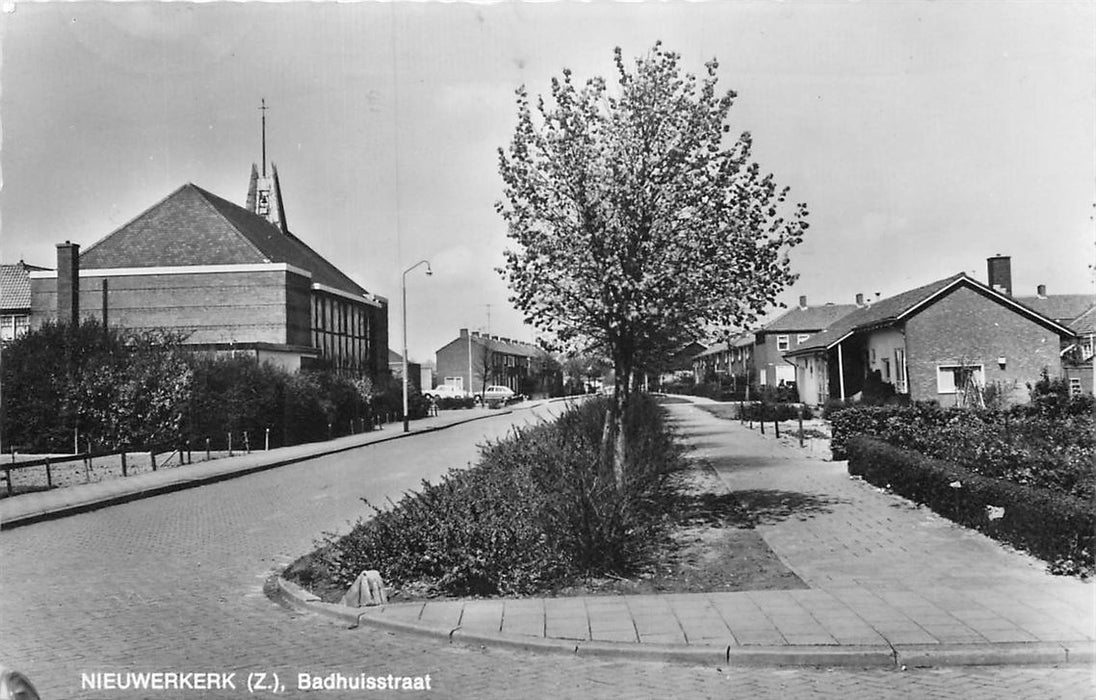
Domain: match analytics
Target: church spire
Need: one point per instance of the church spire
(264, 192)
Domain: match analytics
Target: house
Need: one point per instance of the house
(786, 333)
(936, 342)
(680, 364)
(1078, 311)
(475, 360)
(414, 371)
(15, 303)
(727, 361)
(229, 278)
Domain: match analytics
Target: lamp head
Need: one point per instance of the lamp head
(429, 272)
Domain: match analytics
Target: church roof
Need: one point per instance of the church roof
(194, 227)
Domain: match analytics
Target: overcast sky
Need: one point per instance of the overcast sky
(924, 137)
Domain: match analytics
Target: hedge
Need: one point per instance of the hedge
(1026, 447)
(1053, 526)
(539, 509)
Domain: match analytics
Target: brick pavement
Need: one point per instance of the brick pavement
(890, 583)
(175, 583)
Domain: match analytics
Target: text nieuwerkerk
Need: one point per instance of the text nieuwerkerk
(202, 680)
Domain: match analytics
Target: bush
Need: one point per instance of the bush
(1032, 450)
(774, 411)
(538, 509)
(447, 403)
(1053, 526)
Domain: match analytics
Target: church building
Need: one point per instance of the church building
(229, 278)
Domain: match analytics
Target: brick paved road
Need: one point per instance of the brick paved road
(174, 583)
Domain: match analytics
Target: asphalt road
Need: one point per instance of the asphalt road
(173, 585)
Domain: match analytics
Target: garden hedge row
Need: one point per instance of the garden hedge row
(1053, 526)
(1026, 447)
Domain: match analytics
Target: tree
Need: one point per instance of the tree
(636, 223)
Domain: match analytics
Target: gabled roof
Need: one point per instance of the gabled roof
(1063, 308)
(507, 346)
(900, 306)
(194, 227)
(1085, 324)
(809, 319)
(735, 341)
(15, 286)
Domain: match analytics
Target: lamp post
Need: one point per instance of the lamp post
(403, 289)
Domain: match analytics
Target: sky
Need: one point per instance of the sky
(924, 136)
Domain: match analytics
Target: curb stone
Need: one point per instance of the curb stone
(860, 656)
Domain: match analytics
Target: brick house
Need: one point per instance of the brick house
(786, 333)
(729, 360)
(474, 360)
(934, 342)
(230, 278)
(1078, 311)
(15, 299)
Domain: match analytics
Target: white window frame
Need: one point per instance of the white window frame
(945, 377)
(901, 378)
(801, 337)
(1075, 386)
(785, 341)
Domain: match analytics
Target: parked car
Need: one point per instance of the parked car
(446, 391)
(496, 394)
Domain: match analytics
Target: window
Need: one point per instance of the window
(873, 356)
(886, 369)
(901, 384)
(782, 343)
(1075, 386)
(801, 338)
(952, 379)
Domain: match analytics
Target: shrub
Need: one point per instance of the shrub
(1053, 526)
(447, 403)
(1032, 450)
(774, 411)
(539, 508)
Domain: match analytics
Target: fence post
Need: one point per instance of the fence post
(800, 412)
(247, 442)
(49, 474)
(230, 444)
(761, 417)
(208, 456)
(776, 423)
(329, 431)
(7, 474)
(266, 446)
(75, 441)
(152, 458)
(124, 472)
(87, 464)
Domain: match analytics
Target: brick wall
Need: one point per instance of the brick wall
(968, 327)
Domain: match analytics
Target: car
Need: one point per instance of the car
(446, 391)
(496, 394)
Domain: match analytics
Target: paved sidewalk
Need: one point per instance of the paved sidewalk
(890, 584)
(28, 508)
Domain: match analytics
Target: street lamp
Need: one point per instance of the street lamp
(403, 288)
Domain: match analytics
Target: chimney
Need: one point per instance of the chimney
(859, 299)
(463, 333)
(1041, 290)
(803, 302)
(68, 283)
(1000, 273)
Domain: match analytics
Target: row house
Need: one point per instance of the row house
(936, 342)
(475, 360)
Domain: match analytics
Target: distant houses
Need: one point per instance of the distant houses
(935, 342)
(475, 360)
